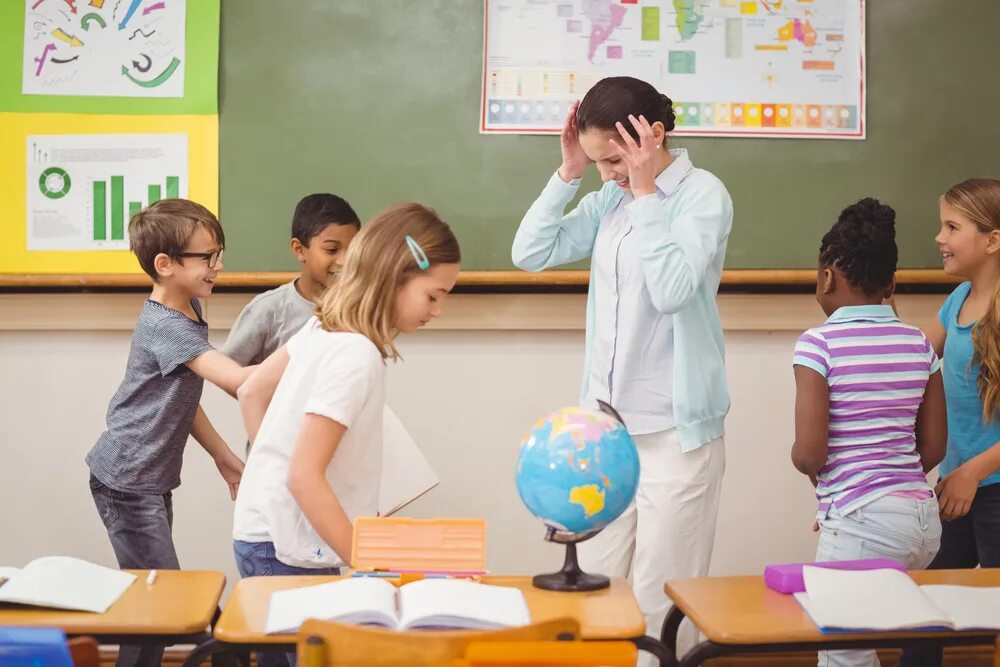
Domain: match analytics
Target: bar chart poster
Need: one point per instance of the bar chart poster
(82, 189)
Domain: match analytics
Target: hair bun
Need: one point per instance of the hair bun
(668, 112)
(874, 221)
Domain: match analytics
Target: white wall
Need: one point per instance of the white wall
(467, 397)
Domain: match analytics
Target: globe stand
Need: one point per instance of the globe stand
(570, 578)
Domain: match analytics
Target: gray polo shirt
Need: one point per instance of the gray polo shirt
(266, 323)
(150, 416)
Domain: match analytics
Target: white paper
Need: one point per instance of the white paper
(429, 603)
(791, 68)
(122, 48)
(361, 600)
(60, 582)
(969, 607)
(406, 473)
(81, 189)
(867, 600)
(453, 603)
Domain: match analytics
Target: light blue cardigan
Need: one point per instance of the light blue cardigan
(683, 239)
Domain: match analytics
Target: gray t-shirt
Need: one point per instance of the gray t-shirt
(266, 323)
(150, 416)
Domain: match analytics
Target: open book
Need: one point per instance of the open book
(425, 604)
(842, 601)
(406, 474)
(60, 582)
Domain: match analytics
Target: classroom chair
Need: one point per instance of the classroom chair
(84, 652)
(549, 654)
(329, 644)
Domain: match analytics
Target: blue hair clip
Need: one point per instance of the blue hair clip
(418, 253)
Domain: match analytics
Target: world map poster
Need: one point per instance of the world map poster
(758, 68)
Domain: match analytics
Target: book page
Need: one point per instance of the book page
(867, 600)
(358, 600)
(8, 572)
(61, 582)
(406, 473)
(454, 603)
(970, 607)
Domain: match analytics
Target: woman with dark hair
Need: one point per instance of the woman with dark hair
(656, 233)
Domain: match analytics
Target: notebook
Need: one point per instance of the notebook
(875, 600)
(60, 582)
(406, 474)
(421, 605)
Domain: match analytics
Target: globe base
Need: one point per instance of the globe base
(571, 578)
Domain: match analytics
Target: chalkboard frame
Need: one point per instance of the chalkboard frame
(488, 280)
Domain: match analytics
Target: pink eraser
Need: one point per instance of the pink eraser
(788, 578)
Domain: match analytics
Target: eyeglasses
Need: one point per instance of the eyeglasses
(211, 257)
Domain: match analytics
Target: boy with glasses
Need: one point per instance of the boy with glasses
(136, 463)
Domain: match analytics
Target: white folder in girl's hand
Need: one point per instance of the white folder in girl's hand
(406, 473)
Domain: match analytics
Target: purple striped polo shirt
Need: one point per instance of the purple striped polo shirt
(877, 369)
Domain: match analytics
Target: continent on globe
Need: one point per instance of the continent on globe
(605, 16)
(590, 497)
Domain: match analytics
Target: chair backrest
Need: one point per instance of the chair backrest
(328, 644)
(549, 654)
(84, 651)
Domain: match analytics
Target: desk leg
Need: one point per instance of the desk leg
(207, 649)
(231, 659)
(219, 659)
(671, 624)
(702, 652)
(650, 645)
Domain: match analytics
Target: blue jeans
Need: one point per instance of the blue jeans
(906, 530)
(257, 559)
(140, 528)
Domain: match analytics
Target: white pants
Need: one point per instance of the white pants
(669, 529)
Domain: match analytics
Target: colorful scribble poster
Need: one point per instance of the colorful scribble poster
(117, 48)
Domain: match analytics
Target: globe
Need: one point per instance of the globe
(577, 470)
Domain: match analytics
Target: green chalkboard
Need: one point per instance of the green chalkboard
(378, 100)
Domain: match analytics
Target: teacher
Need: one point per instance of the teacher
(656, 235)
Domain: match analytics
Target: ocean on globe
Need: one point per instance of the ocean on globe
(577, 470)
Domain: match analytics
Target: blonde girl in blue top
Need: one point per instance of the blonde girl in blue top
(967, 338)
(656, 234)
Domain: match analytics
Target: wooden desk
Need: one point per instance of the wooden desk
(609, 614)
(742, 615)
(176, 609)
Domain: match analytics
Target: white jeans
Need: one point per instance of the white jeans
(669, 529)
(908, 531)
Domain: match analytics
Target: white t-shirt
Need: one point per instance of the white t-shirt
(336, 375)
